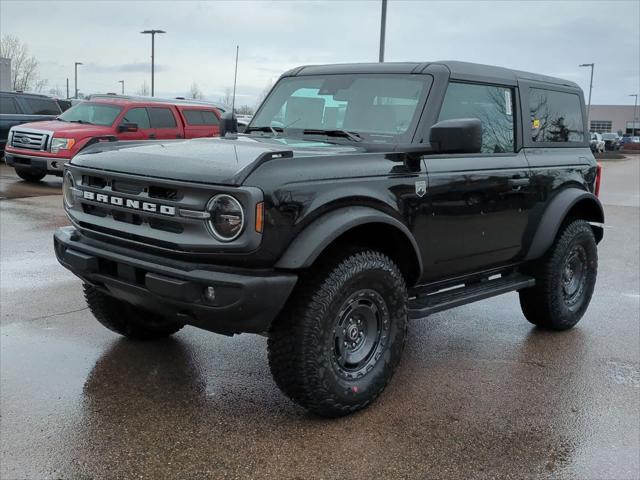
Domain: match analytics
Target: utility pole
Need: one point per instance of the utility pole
(76, 79)
(68, 88)
(235, 77)
(153, 43)
(122, 82)
(383, 28)
(635, 115)
(590, 88)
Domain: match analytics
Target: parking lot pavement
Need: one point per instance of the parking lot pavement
(11, 186)
(479, 393)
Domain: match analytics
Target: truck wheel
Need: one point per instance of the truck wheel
(30, 176)
(127, 320)
(565, 279)
(336, 345)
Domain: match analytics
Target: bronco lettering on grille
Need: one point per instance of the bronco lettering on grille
(129, 203)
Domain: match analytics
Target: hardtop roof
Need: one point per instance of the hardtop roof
(458, 70)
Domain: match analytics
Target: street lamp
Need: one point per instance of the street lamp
(590, 88)
(122, 82)
(635, 114)
(76, 77)
(153, 37)
(383, 29)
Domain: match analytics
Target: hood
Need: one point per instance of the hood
(203, 160)
(74, 130)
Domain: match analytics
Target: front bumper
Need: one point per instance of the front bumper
(36, 164)
(245, 301)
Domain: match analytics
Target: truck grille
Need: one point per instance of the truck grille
(29, 140)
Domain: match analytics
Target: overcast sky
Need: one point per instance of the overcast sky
(544, 37)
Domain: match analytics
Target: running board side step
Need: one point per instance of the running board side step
(427, 304)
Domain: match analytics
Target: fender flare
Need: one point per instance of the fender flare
(318, 235)
(555, 214)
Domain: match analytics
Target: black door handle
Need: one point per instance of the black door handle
(152, 135)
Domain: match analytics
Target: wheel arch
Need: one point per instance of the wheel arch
(570, 204)
(361, 225)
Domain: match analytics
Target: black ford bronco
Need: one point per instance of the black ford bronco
(360, 196)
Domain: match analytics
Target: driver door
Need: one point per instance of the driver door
(140, 117)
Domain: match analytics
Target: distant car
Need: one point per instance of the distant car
(39, 149)
(596, 143)
(635, 139)
(611, 141)
(17, 108)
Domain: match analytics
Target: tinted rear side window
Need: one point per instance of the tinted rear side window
(161, 118)
(493, 106)
(555, 116)
(42, 106)
(200, 117)
(8, 105)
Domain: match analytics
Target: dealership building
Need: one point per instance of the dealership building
(614, 118)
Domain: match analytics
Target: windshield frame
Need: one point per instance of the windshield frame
(368, 138)
(102, 104)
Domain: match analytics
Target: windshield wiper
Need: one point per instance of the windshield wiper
(79, 121)
(353, 136)
(266, 128)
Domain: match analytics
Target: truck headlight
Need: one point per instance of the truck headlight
(68, 187)
(58, 144)
(227, 217)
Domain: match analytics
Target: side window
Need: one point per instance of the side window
(138, 116)
(193, 117)
(209, 118)
(555, 116)
(493, 106)
(8, 105)
(161, 117)
(42, 106)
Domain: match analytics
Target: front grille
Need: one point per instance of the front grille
(29, 140)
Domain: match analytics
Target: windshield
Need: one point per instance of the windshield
(376, 107)
(93, 113)
(609, 136)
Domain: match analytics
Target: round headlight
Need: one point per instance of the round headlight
(227, 217)
(68, 186)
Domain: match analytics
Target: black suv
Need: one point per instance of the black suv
(360, 196)
(17, 108)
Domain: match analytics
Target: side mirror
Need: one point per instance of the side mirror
(228, 124)
(459, 135)
(128, 127)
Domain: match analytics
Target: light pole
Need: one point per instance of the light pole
(76, 78)
(590, 88)
(383, 29)
(635, 114)
(122, 82)
(153, 41)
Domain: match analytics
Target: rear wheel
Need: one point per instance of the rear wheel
(335, 348)
(565, 279)
(29, 176)
(127, 320)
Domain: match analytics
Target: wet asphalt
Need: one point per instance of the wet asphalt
(480, 393)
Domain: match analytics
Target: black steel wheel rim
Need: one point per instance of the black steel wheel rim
(360, 333)
(574, 275)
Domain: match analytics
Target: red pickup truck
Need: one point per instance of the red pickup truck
(41, 148)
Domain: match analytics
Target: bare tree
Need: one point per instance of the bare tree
(56, 91)
(143, 90)
(227, 98)
(24, 67)
(263, 94)
(195, 92)
(245, 110)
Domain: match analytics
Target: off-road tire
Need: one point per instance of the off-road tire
(127, 320)
(304, 340)
(549, 304)
(29, 176)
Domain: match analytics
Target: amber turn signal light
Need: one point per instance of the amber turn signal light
(259, 216)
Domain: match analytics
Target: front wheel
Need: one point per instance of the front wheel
(565, 279)
(30, 176)
(335, 348)
(127, 320)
